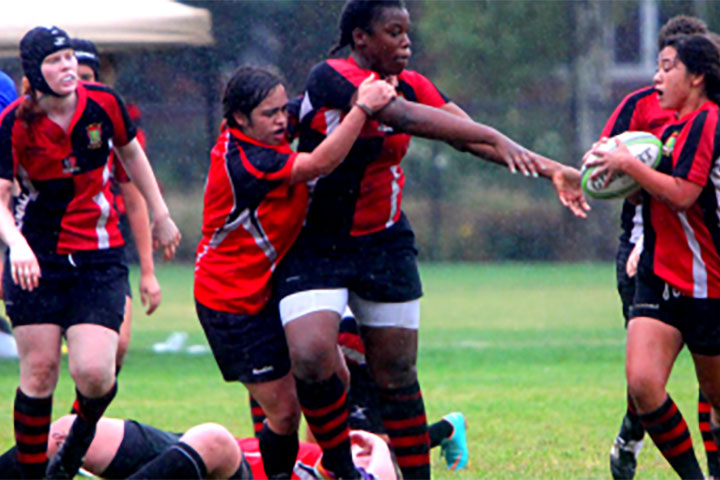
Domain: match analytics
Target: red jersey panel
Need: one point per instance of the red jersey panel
(683, 248)
(364, 194)
(251, 217)
(308, 455)
(65, 203)
(638, 111)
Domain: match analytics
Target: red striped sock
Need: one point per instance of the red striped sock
(324, 405)
(403, 414)
(711, 449)
(258, 416)
(667, 427)
(32, 427)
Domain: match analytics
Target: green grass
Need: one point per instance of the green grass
(531, 354)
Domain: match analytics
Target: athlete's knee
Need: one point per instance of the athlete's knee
(39, 376)
(394, 372)
(313, 360)
(645, 387)
(216, 446)
(285, 419)
(93, 379)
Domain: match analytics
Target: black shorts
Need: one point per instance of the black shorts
(140, 444)
(379, 267)
(625, 284)
(697, 319)
(247, 348)
(85, 287)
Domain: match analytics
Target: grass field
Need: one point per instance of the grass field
(531, 354)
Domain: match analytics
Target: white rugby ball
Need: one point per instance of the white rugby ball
(644, 146)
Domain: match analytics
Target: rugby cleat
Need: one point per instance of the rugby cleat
(623, 458)
(454, 448)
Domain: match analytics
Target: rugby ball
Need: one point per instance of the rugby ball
(644, 146)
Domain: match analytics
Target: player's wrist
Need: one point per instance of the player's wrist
(367, 110)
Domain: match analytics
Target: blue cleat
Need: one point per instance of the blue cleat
(454, 448)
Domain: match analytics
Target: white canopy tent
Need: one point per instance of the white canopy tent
(111, 24)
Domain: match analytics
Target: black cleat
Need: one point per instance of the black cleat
(623, 458)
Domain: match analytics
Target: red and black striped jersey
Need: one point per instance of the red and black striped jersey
(364, 194)
(65, 203)
(251, 217)
(639, 111)
(683, 248)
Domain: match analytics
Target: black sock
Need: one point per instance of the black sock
(278, 452)
(258, 416)
(32, 418)
(439, 431)
(179, 461)
(631, 428)
(667, 427)
(706, 431)
(324, 405)
(403, 414)
(71, 454)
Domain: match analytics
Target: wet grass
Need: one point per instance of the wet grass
(532, 354)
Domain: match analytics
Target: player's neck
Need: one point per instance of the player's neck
(693, 102)
(60, 109)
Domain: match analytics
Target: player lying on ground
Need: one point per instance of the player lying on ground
(130, 449)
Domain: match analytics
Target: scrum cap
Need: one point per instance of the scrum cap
(37, 44)
(86, 54)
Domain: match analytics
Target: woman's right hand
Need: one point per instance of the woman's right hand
(24, 267)
(374, 93)
(517, 157)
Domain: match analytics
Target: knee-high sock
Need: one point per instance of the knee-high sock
(324, 405)
(278, 452)
(32, 427)
(179, 461)
(403, 414)
(711, 448)
(667, 427)
(439, 431)
(631, 427)
(69, 458)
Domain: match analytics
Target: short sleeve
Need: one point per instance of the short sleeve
(418, 88)
(695, 147)
(7, 163)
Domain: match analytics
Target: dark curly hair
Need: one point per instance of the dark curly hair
(245, 90)
(681, 24)
(360, 14)
(700, 55)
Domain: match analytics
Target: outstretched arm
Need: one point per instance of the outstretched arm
(460, 133)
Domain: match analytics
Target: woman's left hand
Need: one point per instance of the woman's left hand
(165, 234)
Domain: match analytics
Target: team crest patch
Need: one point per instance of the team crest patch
(94, 133)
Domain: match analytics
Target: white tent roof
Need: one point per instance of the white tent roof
(111, 24)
